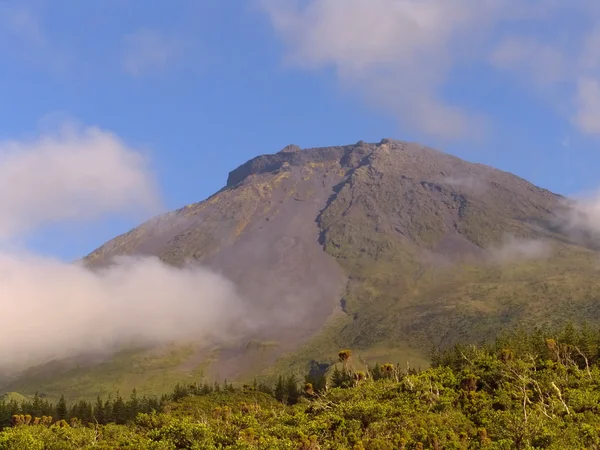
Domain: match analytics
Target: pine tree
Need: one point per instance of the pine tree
(36, 406)
(84, 412)
(98, 411)
(340, 378)
(377, 373)
(133, 405)
(108, 412)
(265, 388)
(179, 392)
(228, 387)
(280, 390)
(291, 390)
(587, 344)
(568, 336)
(318, 381)
(61, 409)
(119, 410)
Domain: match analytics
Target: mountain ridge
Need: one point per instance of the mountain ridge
(372, 199)
(374, 247)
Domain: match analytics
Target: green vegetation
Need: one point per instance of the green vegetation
(151, 372)
(527, 390)
(413, 232)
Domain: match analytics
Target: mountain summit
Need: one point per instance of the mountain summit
(403, 242)
(387, 248)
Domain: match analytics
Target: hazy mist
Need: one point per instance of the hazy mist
(52, 308)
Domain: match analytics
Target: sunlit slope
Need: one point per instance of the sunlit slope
(365, 246)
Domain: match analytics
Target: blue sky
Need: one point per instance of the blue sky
(202, 86)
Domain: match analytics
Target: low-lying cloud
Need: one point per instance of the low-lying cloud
(581, 218)
(513, 249)
(470, 182)
(53, 309)
(578, 220)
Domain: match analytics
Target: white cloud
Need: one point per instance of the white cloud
(545, 62)
(52, 310)
(517, 249)
(401, 54)
(147, 50)
(72, 175)
(583, 215)
(564, 59)
(24, 38)
(587, 117)
(397, 52)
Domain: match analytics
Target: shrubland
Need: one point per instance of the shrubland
(526, 390)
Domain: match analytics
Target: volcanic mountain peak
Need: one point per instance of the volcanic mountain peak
(401, 188)
(373, 245)
(415, 160)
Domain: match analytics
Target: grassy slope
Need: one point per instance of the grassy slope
(392, 326)
(460, 303)
(522, 392)
(396, 307)
(148, 371)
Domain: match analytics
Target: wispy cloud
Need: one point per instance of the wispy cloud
(545, 63)
(581, 216)
(587, 102)
(513, 249)
(73, 174)
(23, 23)
(148, 50)
(397, 52)
(402, 54)
(48, 306)
(23, 38)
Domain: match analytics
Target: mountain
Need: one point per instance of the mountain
(387, 248)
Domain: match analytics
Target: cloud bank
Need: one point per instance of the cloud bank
(402, 55)
(54, 309)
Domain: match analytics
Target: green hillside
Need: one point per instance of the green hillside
(527, 390)
(389, 249)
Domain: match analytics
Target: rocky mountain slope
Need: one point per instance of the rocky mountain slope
(374, 247)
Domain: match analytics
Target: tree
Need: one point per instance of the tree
(316, 377)
(98, 411)
(291, 390)
(179, 392)
(280, 390)
(119, 410)
(61, 409)
(133, 406)
(377, 373)
(36, 406)
(340, 379)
